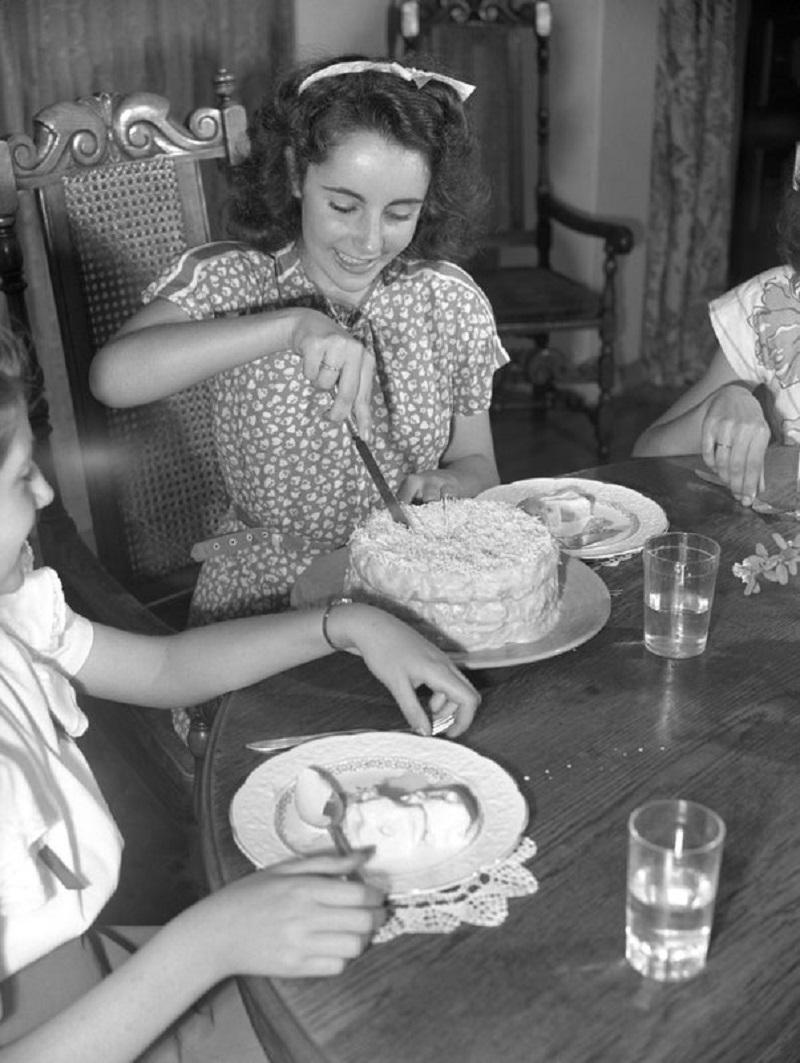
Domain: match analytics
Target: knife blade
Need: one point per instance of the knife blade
(389, 498)
(268, 745)
(439, 725)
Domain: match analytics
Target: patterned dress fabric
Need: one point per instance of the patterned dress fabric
(758, 328)
(296, 483)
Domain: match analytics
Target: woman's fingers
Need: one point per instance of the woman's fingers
(734, 439)
(740, 463)
(362, 407)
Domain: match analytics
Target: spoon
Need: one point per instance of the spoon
(321, 802)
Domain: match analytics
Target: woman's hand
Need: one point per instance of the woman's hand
(466, 468)
(301, 919)
(429, 486)
(404, 660)
(735, 436)
(335, 361)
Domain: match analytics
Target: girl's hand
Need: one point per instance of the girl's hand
(404, 660)
(335, 361)
(429, 486)
(301, 919)
(735, 437)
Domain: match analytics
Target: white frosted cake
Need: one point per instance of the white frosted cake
(417, 828)
(471, 574)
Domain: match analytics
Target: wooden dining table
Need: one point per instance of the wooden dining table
(587, 735)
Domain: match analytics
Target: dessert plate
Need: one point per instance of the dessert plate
(585, 608)
(622, 519)
(268, 829)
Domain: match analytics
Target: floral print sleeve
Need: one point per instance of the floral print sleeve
(479, 352)
(215, 279)
(758, 328)
(453, 328)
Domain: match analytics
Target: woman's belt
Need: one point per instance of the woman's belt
(254, 534)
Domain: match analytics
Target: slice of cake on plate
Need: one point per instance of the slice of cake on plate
(566, 512)
(410, 829)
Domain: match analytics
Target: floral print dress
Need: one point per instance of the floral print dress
(757, 325)
(296, 484)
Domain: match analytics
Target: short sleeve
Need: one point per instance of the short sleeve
(757, 325)
(38, 615)
(215, 279)
(465, 323)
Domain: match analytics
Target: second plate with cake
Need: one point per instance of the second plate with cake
(598, 520)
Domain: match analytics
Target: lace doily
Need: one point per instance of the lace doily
(481, 900)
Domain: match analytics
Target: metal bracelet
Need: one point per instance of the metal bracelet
(328, 610)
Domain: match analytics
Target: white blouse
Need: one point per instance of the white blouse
(60, 849)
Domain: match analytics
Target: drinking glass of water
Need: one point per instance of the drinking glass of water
(680, 573)
(674, 856)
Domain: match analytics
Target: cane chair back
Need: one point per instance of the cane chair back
(503, 47)
(120, 191)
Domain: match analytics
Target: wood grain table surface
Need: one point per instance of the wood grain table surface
(587, 736)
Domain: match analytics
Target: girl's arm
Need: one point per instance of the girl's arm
(161, 350)
(720, 418)
(300, 919)
(467, 467)
(198, 664)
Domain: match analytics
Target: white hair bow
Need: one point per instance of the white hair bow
(407, 73)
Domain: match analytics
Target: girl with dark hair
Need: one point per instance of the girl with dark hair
(341, 296)
(750, 393)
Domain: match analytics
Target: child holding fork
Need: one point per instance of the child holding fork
(60, 849)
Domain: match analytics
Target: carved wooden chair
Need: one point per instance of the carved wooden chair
(498, 45)
(120, 190)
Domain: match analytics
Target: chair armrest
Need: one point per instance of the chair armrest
(618, 236)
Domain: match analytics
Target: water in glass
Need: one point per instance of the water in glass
(676, 622)
(668, 922)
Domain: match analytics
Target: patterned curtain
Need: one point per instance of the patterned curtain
(691, 190)
(53, 50)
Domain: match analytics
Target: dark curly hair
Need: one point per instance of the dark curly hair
(430, 120)
(13, 387)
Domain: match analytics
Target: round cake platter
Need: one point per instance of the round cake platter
(584, 610)
(268, 829)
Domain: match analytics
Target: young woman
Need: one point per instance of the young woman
(59, 847)
(360, 190)
(750, 393)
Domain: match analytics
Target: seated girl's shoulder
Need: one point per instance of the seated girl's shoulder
(437, 274)
(199, 271)
(232, 251)
(756, 290)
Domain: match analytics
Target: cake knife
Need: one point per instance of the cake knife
(439, 724)
(390, 500)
